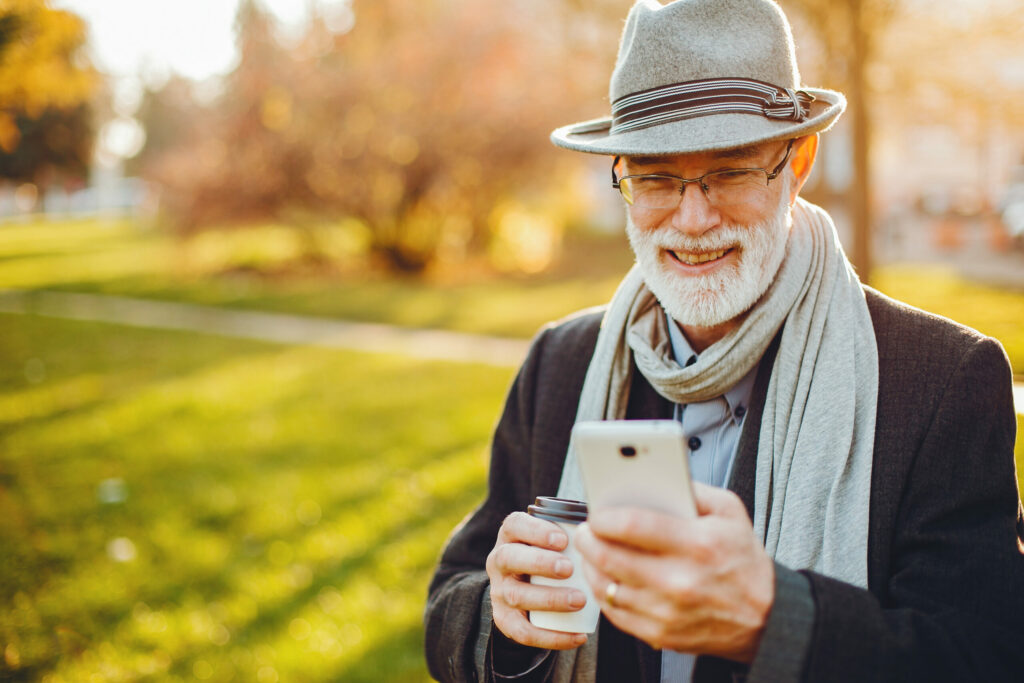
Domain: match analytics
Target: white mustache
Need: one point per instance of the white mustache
(723, 238)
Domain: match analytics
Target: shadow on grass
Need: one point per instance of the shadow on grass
(397, 658)
(275, 617)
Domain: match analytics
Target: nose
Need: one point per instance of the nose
(695, 215)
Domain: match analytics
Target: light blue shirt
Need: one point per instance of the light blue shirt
(713, 431)
(712, 427)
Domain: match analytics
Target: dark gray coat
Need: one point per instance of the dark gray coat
(945, 598)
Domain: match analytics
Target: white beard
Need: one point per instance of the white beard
(728, 292)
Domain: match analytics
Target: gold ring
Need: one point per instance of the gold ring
(610, 591)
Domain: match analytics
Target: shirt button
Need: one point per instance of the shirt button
(694, 443)
(740, 411)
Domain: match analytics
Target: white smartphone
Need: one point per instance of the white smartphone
(642, 463)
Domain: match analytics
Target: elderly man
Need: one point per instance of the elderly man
(858, 516)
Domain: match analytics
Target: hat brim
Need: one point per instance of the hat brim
(703, 134)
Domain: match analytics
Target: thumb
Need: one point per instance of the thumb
(719, 502)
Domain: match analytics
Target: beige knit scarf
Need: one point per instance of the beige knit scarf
(813, 474)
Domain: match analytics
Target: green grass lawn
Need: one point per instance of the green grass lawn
(181, 507)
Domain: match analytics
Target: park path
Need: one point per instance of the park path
(284, 328)
(270, 327)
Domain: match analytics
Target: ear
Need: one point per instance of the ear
(804, 152)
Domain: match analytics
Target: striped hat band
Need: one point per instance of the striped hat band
(706, 97)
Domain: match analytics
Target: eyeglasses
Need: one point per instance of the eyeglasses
(722, 188)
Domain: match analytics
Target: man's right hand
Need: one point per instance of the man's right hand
(530, 546)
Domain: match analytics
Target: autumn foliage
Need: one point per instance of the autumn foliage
(417, 121)
(45, 91)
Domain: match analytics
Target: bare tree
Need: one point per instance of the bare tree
(849, 32)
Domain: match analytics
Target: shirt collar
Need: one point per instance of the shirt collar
(738, 397)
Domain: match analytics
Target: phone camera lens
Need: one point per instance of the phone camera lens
(627, 451)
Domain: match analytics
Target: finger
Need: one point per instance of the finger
(659, 532)
(515, 625)
(520, 527)
(639, 625)
(712, 500)
(601, 584)
(624, 604)
(641, 528)
(516, 558)
(604, 562)
(527, 597)
(631, 609)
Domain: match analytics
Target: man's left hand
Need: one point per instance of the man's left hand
(702, 585)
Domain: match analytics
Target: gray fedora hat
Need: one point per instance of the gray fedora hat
(702, 75)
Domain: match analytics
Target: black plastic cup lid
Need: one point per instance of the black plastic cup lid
(559, 509)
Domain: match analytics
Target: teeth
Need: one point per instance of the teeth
(694, 259)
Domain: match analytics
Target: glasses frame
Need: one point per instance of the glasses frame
(683, 182)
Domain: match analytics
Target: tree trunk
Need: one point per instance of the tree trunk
(860, 192)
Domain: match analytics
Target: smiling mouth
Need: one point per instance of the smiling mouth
(691, 259)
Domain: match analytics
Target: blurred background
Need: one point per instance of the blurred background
(267, 268)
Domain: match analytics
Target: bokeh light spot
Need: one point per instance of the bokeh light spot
(25, 197)
(299, 629)
(12, 657)
(121, 549)
(276, 111)
(351, 634)
(267, 674)
(35, 370)
(330, 599)
(403, 150)
(112, 491)
(220, 635)
(300, 575)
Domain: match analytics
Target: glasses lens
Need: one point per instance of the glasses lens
(651, 193)
(735, 185)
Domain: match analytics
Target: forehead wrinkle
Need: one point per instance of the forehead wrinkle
(751, 153)
(646, 161)
(739, 153)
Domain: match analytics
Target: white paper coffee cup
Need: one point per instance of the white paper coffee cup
(567, 514)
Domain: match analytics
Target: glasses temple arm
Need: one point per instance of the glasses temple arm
(778, 169)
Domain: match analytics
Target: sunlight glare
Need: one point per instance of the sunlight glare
(194, 38)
